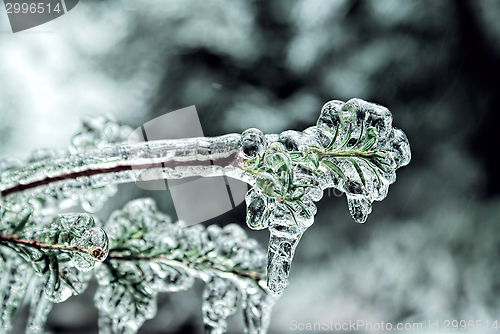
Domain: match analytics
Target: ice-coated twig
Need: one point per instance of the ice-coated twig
(63, 181)
(352, 148)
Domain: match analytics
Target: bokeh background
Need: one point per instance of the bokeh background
(428, 252)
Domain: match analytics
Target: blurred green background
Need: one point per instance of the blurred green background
(428, 252)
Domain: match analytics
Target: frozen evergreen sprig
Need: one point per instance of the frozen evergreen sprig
(352, 148)
(149, 254)
(144, 255)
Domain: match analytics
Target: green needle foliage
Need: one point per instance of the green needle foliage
(145, 254)
(137, 254)
(140, 252)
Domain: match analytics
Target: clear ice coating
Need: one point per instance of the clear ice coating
(98, 132)
(40, 307)
(55, 248)
(75, 235)
(166, 257)
(61, 250)
(352, 148)
(14, 279)
(220, 300)
(282, 243)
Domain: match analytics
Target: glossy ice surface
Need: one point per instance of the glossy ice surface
(352, 148)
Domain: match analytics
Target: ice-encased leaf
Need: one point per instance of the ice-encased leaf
(139, 231)
(74, 236)
(236, 251)
(366, 151)
(15, 275)
(220, 300)
(352, 148)
(14, 221)
(172, 277)
(140, 227)
(40, 306)
(63, 279)
(150, 254)
(258, 213)
(97, 132)
(257, 307)
(125, 296)
(61, 250)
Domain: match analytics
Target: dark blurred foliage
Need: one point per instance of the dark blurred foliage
(430, 250)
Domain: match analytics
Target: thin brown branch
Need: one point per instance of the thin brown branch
(40, 245)
(223, 162)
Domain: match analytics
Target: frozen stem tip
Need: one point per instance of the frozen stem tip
(98, 254)
(96, 244)
(353, 148)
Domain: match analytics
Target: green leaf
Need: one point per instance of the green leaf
(54, 278)
(303, 185)
(333, 168)
(329, 146)
(295, 155)
(306, 166)
(302, 206)
(258, 158)
(360, 134)
(342, 117)
(253, 164)
(367, 145)
(347, 136)
(358, 169)
(378, 164)
(290, 209)
(370, 138)
(388, 149)
(263, 169)
(314, 159)
(377, 156)
(22, 223)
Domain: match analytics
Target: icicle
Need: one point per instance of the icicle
(352, 148)
(40, 307)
